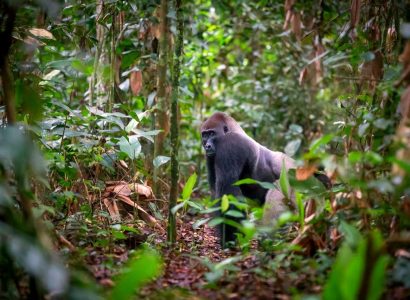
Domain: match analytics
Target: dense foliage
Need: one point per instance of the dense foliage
(85, 108)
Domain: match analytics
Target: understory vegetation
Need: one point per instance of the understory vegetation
(103, 179)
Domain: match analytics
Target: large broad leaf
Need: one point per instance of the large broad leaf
(189, 186)
(146, 134)
(160, 160)
(141, 269)
(132, 148)
(131, 125)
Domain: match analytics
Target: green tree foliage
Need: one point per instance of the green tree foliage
(320, 80)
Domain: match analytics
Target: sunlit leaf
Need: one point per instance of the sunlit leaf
(189, 186)
(224, 203)
(160, 160)
(131, 148)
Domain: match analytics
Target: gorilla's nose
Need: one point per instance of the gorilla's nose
(208, 147)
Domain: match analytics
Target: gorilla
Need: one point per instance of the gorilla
(232, 155)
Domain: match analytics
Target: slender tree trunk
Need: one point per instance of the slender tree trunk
(161, 116)
(97, 81)
(174, 122)
(6, 74)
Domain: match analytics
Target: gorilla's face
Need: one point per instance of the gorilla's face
(209, 142)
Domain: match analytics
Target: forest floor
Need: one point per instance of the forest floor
(186, 272)
(190, 268)
(185, 275)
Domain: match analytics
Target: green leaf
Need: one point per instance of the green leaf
(177, 207)
(160, 160)
(132, 148)
(194, 205)
(246, 181)
(224, 203)
(351, 234)
(284, 181)
(200, 222)
(266, 185)
(215, 221)
(131, 125)
(141, 269)
(292, 147)
(362, 129)
(301, 209)
(189, 186)
(320, 142)
(234, 213)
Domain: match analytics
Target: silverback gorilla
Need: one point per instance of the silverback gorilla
(232, 155)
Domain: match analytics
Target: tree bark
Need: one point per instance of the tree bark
(173, 195)
(161, 116)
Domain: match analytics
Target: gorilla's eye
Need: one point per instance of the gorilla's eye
(225, 129)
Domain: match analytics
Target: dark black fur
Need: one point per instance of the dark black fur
(232, 155)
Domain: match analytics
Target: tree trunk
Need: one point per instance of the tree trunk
(97, 82)
(161, 116)
(174, 123)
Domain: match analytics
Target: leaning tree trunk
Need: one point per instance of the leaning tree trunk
(174, 123)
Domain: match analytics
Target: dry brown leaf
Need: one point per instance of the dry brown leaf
(305, 172)
(115, 182)
(142, 212)
(123, 164)
(141, 189)
(354, 13)
(122, 189)
(136, 82)
(125, 188)
(42, 33)
(112, 209)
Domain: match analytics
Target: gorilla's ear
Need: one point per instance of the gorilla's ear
(226, 129)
